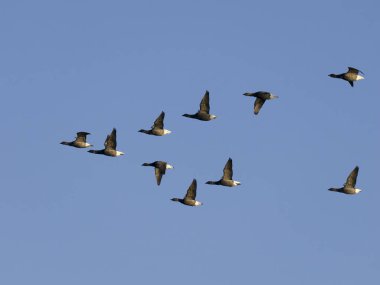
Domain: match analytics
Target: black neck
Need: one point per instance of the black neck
(189, 115)
(97, 151)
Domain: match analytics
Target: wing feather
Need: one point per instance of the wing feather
(205, 103)
(351, 179)
(258, 105)
(159, 122)
(192, 191)
(81, 136)
(354, 70)
(227, 171)
(110, 142)
(158, 173)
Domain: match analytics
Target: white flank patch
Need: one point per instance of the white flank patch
(359, 77)
(273, 96)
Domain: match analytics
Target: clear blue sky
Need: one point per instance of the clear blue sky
(69, 217)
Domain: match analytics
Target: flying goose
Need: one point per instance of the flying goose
(109, 146)
(158, 127)
(261, 97)
(80, 141)
(350, 76)
(204, 110)
(189, 198)
(349, 186)
(226, 179)
(159, 169)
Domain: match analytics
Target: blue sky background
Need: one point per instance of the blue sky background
(69, 217)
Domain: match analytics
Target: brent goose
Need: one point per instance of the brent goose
(350, 76)
(204, 110)
(158, 127)
(189, 198)
(226, 179)
(109, 146)
(159, 169)
(261, 97)
(80, 141)
(349, 186)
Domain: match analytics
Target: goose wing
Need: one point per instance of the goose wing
(110, 141)
(258, 105)
(192, 191)
(351, 179)
(159, 122)
(227, 171)
(205, 103)
(158, 173)
(354, 70)
(81, 136)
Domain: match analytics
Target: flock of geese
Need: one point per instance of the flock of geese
(157, 129)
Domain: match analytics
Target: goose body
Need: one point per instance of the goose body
(159, 169)
(226, 179)
(261, 97)
(189, 199)
(350, 76)
(349, 186)
(110, 145)
(80, 141)
(204, 110)
(158, 127)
